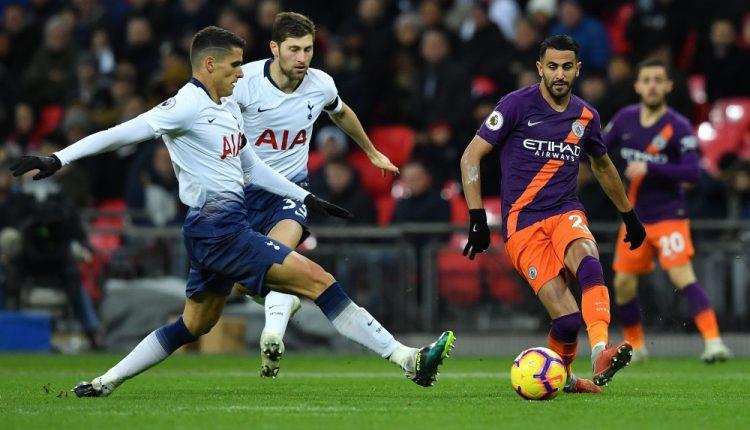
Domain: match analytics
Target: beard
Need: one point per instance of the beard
(291, 74)
(557, 93)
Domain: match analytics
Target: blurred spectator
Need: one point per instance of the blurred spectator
(598, 206)
(541, 13)
(25, 136)
(587, 31)
(341, 186)
(723, 63)
(525, 49)
(51, 72)
(73, 180)
(656, 23)
(23, 40)
(421, 200)
(481, 36)
(41, 239)
(266, 11)
(620, 87)
(90, 15)
(593, 88)
(439, 152)
(711, 189)
(91, 90)
(444, 85)
(739, 186)
(102, 51)
(504, 14)
(140, 48)
(350, 82)
(154, 189)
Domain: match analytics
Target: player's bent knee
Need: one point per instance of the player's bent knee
(625, 286)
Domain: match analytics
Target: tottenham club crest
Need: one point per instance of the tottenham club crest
(494, 121)
(578, 128)
(532, 273)
(167, 104)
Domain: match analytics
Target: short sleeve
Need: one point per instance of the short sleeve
(611, 133)
(594, 144)
(684, 138)
(173, 115)
(333, 103)
(500, 122)
(241, 93)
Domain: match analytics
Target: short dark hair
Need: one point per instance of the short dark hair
(559, 42)
(291, 24)
(651, 62)
(214, 38)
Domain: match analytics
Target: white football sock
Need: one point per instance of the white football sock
(145, 355)
(404, 357)
(278, 311)
(358, 325)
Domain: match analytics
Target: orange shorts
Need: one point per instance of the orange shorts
(671, 238)
(538, 251)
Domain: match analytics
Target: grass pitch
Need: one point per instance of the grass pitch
(362, 392)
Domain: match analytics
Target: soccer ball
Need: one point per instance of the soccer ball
(538, 374)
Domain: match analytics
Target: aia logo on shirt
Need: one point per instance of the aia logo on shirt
(268, 137)
(233, 144)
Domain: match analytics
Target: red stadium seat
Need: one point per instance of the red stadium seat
(105, 243)
(370, 177)
(458, 282)
(501, 277)
(314, 161)
(395, 141)
(727, 130)
(384, 206)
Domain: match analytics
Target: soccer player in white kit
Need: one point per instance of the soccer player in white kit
(280, 99)
(202, 129)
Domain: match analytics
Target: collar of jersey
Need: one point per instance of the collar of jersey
(200, 85)
(267, 74)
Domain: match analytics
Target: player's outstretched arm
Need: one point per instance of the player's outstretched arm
(606, 174)
(134, 131)
(347, 120)
(479, 231)
(259, 173)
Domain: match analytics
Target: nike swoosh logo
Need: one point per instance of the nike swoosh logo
(210, 120)
(474, 229)
(271, 307)
(371, 321)
(531, 124)
(263, 110)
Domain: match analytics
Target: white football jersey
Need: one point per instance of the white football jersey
(204, 142)
(279, 126)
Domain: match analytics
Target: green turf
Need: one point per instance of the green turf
(205, 392)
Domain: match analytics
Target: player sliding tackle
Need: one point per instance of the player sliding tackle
(280, 99)
(542, 131)
(202, 129)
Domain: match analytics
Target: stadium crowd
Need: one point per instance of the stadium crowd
(437, 67)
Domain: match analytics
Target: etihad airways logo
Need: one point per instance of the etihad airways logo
(630, 154)
(554, 150)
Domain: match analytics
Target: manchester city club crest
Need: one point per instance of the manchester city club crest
(659, 142)
(578, 128)
(494, 121)
(532, 273)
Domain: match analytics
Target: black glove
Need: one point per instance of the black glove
(47, 166)
(479, 233)
(635, 232)
(316, 204)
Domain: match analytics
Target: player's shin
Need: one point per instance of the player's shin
(563, 337)
(154, 348)
(358, 325)
(630, 318)
(594, 301)
(701, 310)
